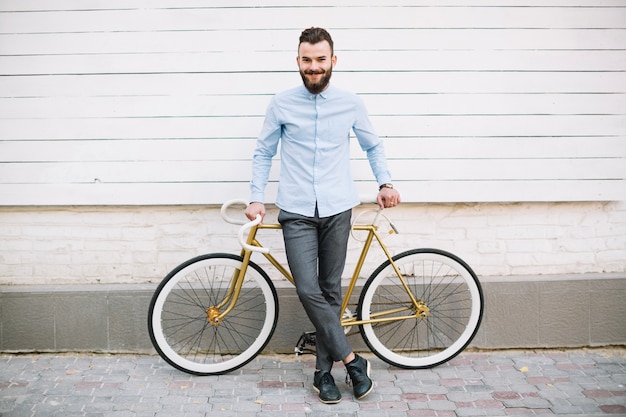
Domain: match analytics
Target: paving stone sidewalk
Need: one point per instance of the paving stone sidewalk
(501, 383)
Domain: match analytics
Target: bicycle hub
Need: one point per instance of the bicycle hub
(213, 315)
(422, 310)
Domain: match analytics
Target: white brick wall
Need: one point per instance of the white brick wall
(86, 245)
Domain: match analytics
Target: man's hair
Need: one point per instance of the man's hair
(314, 35)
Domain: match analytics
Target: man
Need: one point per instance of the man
(316, 195)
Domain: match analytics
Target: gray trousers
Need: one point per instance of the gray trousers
(316, 253)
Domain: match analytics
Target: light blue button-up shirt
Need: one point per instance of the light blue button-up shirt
(314, 135)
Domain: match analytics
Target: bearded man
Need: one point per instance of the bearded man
(316, 194)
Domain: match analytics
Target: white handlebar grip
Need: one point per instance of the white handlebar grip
(368, 198)
(227, 205)
(242, 239)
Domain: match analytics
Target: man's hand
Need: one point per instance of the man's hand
(388, 197)
(255, 208)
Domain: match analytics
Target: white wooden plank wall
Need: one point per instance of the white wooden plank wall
(159, 101)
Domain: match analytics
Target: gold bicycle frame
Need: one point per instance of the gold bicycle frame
(419, 308)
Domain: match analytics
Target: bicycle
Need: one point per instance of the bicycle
(216, 312)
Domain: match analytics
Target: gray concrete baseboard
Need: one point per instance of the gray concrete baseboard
(520, 312)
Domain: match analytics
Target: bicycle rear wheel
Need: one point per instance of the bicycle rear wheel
(451, 309)
(179, 324)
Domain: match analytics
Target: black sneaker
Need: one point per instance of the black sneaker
(359, 371)
(324, 385)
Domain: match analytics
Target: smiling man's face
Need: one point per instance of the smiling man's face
(316, 62)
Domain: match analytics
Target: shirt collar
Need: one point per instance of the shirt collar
(324, 94)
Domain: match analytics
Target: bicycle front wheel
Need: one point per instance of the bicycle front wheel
(442, 322)
(181, 319)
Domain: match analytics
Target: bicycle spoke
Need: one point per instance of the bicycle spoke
(194, 326)
(445, 317)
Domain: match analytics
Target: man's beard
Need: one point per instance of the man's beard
(316, 88)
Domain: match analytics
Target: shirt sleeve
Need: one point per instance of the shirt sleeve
(266, 148)
(372, 144)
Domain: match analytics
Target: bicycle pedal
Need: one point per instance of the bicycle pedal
(307, 338)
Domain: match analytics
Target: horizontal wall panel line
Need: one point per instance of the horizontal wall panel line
(254, 105)
(349, 61)
(202, 170)
(296, 18)
(280, 40)
(78, 5)
(217, 193)
(270, 83)
(408, 147)
(227, 127)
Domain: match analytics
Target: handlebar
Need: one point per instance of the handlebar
(245, 225)
(242, 239)
(227, 205)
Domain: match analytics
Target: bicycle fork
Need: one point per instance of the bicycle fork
(216, 313)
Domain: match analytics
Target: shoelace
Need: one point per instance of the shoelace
(326, 379)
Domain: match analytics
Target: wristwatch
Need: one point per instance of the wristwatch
(385, 186)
